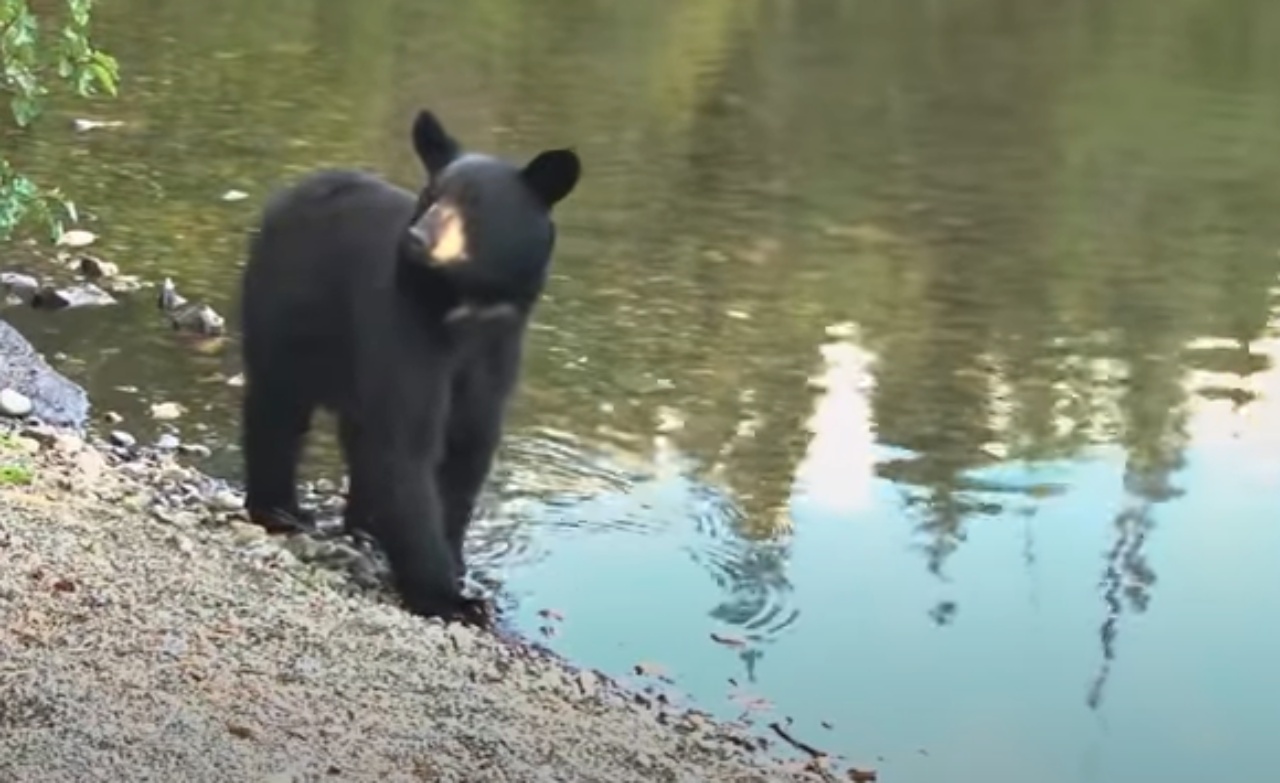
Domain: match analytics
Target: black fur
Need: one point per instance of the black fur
(341, 308)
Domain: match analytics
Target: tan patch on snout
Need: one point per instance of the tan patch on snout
(443, 230)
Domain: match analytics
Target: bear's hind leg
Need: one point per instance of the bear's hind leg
(273, 428)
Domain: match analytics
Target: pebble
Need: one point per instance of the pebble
(83, 125)
(89, 465)
(14, 403)
(200, 320)
(26, 445)
(303, 547)
(77, 295)
(227, 500)
(42, 432)
(136, 502)
(124, 284)
(365, 574)
(22, 286)
(111, 417)
(77, 238)
(247, 532)
(183, 519)
(93, 267)
(184, 545)
(122, 438)
(67, 443)
(588, 682)
(165, 411)
(198, 450)
(168, 442)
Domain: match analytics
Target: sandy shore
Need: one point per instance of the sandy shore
(148, 634)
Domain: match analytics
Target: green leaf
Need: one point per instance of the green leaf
(31, 63)
(25, 109)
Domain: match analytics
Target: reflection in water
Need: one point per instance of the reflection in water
(851, 288)
(838, 467)
(574, 490)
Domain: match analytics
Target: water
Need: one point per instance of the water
(928, 350)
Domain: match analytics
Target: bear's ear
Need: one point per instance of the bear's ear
(435, 147)
(552, 175)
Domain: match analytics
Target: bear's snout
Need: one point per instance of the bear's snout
(442, 234)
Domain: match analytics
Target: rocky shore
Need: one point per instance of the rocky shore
(148, 633)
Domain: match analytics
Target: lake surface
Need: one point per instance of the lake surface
(927, 352)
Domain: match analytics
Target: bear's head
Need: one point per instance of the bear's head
(484, 223)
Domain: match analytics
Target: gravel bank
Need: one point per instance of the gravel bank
(145, 634)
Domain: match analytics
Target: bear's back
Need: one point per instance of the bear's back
(325, 247)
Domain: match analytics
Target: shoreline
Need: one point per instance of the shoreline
(148, 632)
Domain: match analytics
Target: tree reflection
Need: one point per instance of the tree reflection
(1029, 220)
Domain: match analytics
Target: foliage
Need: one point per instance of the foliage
(13, 475)
(38, 50)
(15, 471)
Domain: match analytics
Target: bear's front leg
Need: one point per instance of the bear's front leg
(479, 393)
(474, 432)
(409, 525)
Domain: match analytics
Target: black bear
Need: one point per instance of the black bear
(405, 315)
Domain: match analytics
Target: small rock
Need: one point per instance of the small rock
(269, 552)
(342, 555)
(198, 319)
(14, 403)
(197, 450)
(235, 195)
(184, 545)
(79, 295)
(111, 417)
(83, 126)
(173, 473)
(168, 442)
(67, 443)
(303, 547)
(136, 502)
(89, 465)
(169, 299)
(247, 532)
(166, 411)
(236, 380)
(588, 682)
(122, 438)
(26, 445)
(227, 500)
(77, 237)
(463, 637)
(94, 268)
(42, 432)
(22, 286)
(124, 284)
(365, 573)
(182, 519)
